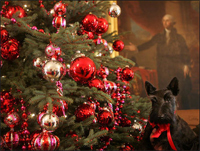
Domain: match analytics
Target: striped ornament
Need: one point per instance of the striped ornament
(45, 141)
(59, 21)
(11, 140)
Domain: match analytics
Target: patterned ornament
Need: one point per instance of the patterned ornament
(118, 45)
(11, 140)
(4, 35)
(110, 87)
(82, 69)
(114, 10)
(45, 141)
(83, 112)
(53, 70)
(12, 119)
(50, 50)
(60, 8)
(10, 49)
(59, 21)
(105, 117)
(38, 62)
(49, 122)
(127, 74)
(103, 72)
(97, 83)
(12, 10)
(7, 102)
(90, 22)
(102, 26)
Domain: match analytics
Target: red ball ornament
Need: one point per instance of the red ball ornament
(83, 112)
(60, 8)
(11, 139)
(127, 74)
(12, 10)
(97, 83)
(4, 35)
(90, 22)
(10, 49)
(102, 26)
(118, 45)
(12, 119)
(82, 69)
(105, 117)
(45, 141)
(34, 134)
(7, 102)
(59, 21)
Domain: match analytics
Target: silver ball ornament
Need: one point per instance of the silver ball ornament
(49, 122)
(114, 10)
(53, 70)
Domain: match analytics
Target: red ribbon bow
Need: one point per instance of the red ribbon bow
(162, 128)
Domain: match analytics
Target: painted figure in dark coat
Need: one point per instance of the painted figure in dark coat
(173, 57)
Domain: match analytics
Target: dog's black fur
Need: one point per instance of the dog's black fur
(163, 108)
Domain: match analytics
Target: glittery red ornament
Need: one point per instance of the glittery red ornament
(4, 35)
(127, 74)
(10, 49)
(34, 134)
(118, 45)
(11, 139)
(82, 69)
(59, 21)
(60, 8)
(90, 22)
(7, 102)
(97, 83)
(45, 141)
(83, 112)
(102, 26)
(105, 117)
(13, 9)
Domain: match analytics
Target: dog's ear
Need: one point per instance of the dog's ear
(173, 86)
(149, 88)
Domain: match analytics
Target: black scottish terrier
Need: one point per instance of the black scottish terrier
(170, 132)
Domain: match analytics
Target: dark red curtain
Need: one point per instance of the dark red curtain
(147, 15)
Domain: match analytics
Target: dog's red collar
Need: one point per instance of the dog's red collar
(162, 128)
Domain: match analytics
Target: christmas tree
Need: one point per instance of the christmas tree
(60, 87)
